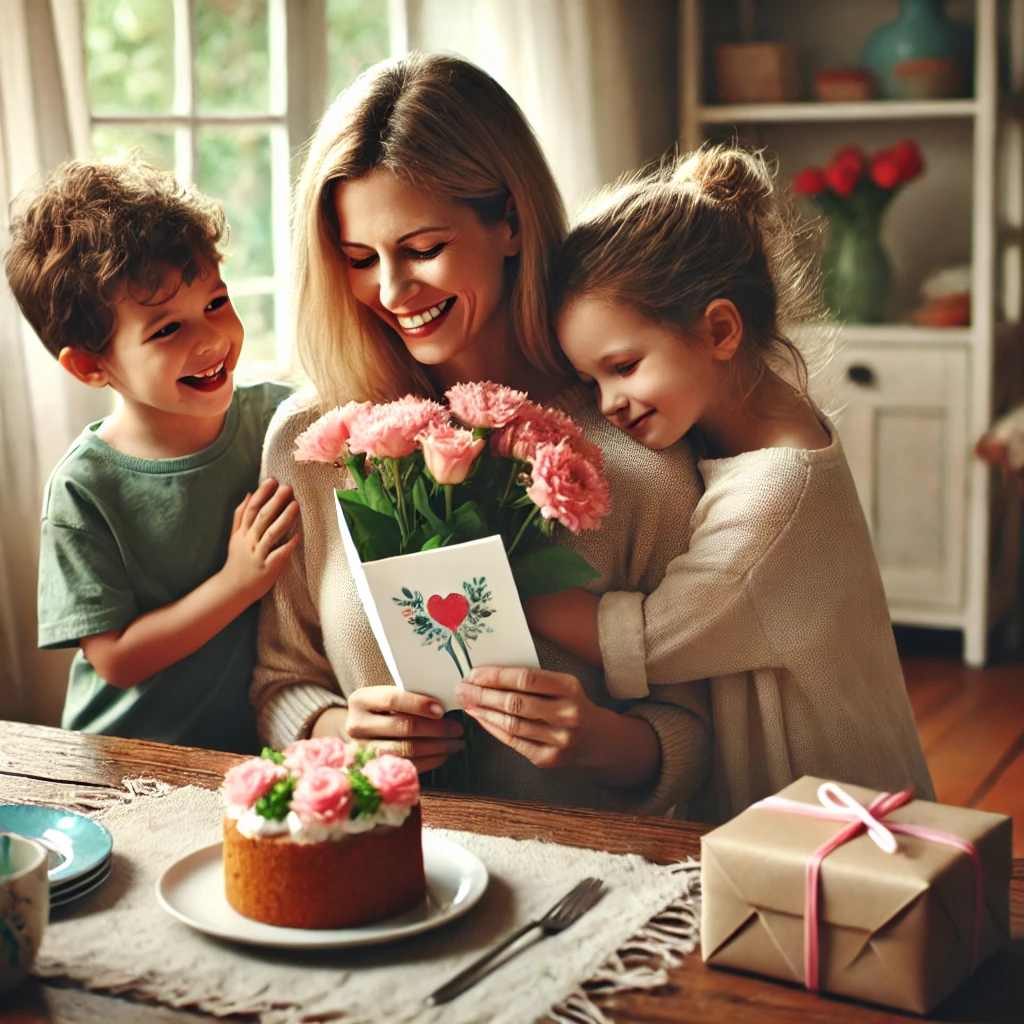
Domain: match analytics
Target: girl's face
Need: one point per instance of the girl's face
(428, 267)
(649, 381)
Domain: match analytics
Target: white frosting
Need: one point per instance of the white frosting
(255, 826)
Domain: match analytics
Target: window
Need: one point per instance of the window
(206, 88)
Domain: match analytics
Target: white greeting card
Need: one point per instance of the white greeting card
(437, 614)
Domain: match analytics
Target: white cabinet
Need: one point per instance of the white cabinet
(903, 420)
(916, 399)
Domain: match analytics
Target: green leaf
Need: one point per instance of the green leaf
(468, 523)
(549, 570)
(356, 466)
(433, 542)
(376, 535)
(422, 505)
(375, 495)
(272, 755)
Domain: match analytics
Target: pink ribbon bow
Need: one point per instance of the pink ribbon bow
(838, 805)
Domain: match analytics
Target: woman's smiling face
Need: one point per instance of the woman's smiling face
(428, 267)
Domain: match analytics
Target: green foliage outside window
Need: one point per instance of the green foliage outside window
(130, 70)
(129, 47)
(357, 36)
(232, 57)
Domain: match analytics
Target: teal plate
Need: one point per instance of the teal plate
(75, 845)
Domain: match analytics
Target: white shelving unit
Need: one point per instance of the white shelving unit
(914, 399)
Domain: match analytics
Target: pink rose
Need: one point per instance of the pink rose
(568, 487)
(323, 795)
(247, 782)
(389, 431)
(327, 439)
(395, 778)
(535, 425)
(449, 452)
(329, 751)
(484, 404)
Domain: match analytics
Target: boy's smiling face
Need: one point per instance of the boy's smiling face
(173, 353)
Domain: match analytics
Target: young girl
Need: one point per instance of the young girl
(669, 296)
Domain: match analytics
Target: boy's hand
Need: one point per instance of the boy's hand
(256, 555)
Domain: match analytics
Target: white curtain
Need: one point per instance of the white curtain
(43, 120)
(597, 79)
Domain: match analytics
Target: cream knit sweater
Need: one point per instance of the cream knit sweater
(315, 644)
(779, 599)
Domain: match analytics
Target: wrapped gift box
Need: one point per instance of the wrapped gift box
(893, 928)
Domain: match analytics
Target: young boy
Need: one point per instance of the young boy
(142, 564)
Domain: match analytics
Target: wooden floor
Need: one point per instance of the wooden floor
(972, 726)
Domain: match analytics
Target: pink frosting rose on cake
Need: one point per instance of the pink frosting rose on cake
(245, 783)
(395, 779)
(326, 751)
(322, 794)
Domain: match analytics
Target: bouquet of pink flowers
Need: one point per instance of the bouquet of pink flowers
(490, 462)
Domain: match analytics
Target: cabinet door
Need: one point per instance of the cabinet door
(903, 425)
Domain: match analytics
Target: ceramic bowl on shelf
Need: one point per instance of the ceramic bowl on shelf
(844, 85)
(930, 78)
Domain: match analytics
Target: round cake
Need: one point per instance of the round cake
(323, 834)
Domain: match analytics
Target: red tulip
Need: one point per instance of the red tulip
(908, 156)
(886, 171)
(809, 182)
(842, 178)
(850, 156)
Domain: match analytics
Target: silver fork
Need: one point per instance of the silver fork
(568, 909)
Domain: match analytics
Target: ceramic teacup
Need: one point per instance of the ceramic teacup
(24, 906)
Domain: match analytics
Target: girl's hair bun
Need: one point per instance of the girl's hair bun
(731, 176)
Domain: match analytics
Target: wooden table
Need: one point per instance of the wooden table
(34, 760)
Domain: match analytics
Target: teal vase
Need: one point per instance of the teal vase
(921, 30)
(856, 272)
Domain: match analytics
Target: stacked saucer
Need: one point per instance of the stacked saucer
(79, 849)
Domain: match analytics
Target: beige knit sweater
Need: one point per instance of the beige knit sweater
(316, 646)
(779, 599)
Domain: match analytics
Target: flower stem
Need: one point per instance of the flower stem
(403, 513)
(522, 529)
(448, 504)
(508, 486)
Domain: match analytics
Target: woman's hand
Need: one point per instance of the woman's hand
(547, 717)
(408, 724)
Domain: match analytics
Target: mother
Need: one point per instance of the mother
(426, 215)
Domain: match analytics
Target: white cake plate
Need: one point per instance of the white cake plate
(192, 889)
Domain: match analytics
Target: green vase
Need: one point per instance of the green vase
(856, 273)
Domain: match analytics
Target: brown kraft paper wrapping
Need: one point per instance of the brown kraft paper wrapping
(895, 929)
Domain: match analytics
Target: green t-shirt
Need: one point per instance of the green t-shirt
(122, 536)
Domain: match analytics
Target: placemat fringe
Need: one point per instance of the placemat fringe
(644, 960)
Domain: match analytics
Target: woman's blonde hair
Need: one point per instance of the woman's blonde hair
(444, 125)
(709, 225)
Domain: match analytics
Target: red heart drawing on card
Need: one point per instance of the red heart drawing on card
(449, 611)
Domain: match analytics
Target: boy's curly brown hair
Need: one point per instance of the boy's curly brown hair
(97, 227)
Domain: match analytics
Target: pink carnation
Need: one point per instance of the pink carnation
(395, 779)
(325, 751)
(449, 452)
(535, 425)
(322, 794)
(389, 431)
(327, 439)
(568, 487)
(484, 404)
(247, 782)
